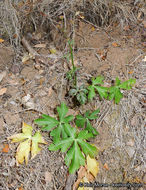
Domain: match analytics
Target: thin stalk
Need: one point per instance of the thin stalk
(73, 65)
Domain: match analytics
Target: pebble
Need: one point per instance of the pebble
(130, 151)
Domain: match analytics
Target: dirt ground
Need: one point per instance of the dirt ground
(110, 52)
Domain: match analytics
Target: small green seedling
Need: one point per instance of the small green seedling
(76, 147)
(82, 121)
(49, 123)
(80, 93)
(114, 91)
(96, 85)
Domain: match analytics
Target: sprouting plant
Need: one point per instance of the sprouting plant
(114, 91)
(96, 85)
(58, 126)
(82, 121)
(76, 146)
(71, 74)
(80, 93)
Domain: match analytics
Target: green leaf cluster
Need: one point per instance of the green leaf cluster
(58, 126)
(113, 92)
(82, 121)
(80, 93)
(68, 138)
(76, 147)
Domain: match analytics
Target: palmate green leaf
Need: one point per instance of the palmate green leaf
(80, 93)
(127, 85)
(94, 114)
(47, 122)
(62, 111)
(50, 123)
(103, 91)
(82, 121)
(114, 91)
(81, 97)
(91, 93)
(75, 145)
(91, 129)
(98, 80)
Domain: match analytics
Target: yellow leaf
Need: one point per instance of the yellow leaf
(26, 129)
(1, 40)
(53, 51)
(93, 28)
(30, 143)
(61, 17)
(23, 152)
(36, 139)
(82, 17)
(92, 166)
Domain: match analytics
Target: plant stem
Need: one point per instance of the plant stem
(73, 65)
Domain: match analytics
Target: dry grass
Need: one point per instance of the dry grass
(20, 17)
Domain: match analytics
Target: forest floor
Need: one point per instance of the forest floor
(110, 52)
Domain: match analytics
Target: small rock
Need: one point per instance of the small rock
(26, 98)
(42, 93)
(30, 105)
(12, 162)
(48, 177)
(130, 151)
(28, 101)
(130, 142)
(138, 168)
(13, 103)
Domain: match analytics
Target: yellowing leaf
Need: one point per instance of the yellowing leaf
(61, 17)
(92, 166)
(30, 143)
(23, 151)
(26, 129)
(93, 29)
(36, 139)
(1, 40)
(53, 51)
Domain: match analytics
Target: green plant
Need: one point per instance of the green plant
(77, 145)
(96, 85)
(80, 93)
(114, 91)
(49, 123)
(71, 74)
(82, 121)
(68, 138)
